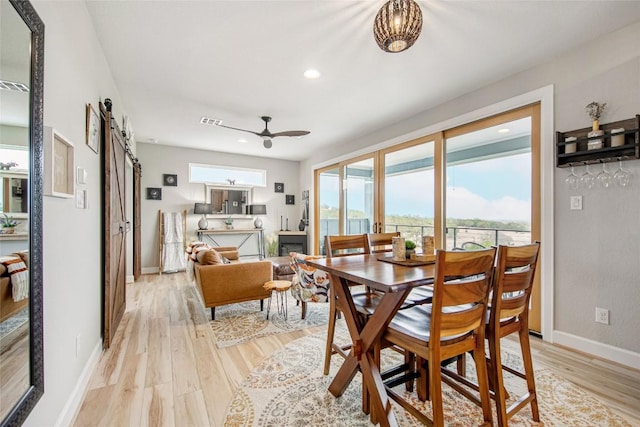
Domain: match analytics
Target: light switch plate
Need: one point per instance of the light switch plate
(576, 203)
(82, 175)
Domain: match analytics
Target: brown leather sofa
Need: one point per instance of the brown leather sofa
(9, 307)
(238, 281)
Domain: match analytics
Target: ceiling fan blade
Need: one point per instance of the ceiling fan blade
(242, 130)
(291, 133)
(267, 143)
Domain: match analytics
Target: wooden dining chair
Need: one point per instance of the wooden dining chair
(381, 242)
(509, 314)
(452, 325)
(336, 246)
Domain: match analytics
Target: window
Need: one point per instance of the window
(212, 174)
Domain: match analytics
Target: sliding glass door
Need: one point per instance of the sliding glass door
(408, 200)
(472, 186)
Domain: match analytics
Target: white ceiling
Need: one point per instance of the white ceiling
(176, 61)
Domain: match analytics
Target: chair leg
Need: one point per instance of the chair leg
(304, 309)
(525, 345)
(435, 386)
(461, 364)
(331, 329)
(483, 381)
(422, 387)
(213, 313)
(261, 305)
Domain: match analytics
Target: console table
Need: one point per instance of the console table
(239, 234)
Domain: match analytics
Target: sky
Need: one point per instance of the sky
(496, 189)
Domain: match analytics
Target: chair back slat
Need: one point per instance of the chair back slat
(512, 283)
(381, 242)
(344, 245)
(461, 290)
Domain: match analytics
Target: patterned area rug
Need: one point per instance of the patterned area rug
(14, 322)
(288, 389)
(237, 323)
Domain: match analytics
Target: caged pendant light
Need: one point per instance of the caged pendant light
(397, 25)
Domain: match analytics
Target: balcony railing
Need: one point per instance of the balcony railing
(456, 236)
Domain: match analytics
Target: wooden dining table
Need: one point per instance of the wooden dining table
(395, 282)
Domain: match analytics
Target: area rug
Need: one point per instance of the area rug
(288, 389)
(238, 323)
(14, 322)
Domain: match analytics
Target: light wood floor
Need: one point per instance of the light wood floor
(165, 369)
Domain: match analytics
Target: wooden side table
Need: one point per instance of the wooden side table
(280, 287)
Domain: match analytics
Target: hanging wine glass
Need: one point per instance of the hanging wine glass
(604, 178)
(588, 179)
(622, 176)
(573, 180)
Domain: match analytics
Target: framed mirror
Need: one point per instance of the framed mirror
(21, 78)
(228, 200)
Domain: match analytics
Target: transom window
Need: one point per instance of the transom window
(227, 175)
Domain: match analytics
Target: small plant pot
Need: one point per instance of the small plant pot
(409, 252)
(8, 230)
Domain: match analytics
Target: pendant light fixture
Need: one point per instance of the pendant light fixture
(397, 25)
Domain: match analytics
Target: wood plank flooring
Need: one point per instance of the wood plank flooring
(164, 368)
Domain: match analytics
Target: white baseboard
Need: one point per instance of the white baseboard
(72, 406)
(130, 279)
(605, 351)
(150, 270)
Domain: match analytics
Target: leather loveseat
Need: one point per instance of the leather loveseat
(221, 283)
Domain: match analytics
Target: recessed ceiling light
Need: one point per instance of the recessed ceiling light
(242, 141)
(312, 74)
(503, 130)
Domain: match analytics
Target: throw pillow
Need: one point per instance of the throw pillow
(210, 257)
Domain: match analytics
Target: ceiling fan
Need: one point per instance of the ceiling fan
(266, 135)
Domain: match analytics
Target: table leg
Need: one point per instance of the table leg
(364, 337)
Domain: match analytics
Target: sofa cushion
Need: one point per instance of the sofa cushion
(209, 257)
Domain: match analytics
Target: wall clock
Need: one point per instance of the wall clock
(279, 187)
(154, 193)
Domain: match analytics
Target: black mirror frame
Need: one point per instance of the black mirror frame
(36, 356)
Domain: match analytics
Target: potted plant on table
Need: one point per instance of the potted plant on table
(8, 224)
(228, 223)
(410, 248)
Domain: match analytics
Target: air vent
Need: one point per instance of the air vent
(208, 121)
(7, 85)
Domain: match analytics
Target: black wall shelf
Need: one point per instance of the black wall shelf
(582, 155)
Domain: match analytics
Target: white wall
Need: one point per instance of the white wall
(596, 250)
(75, 73)
(157, 160)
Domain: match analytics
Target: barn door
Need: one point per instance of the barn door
(115, 224)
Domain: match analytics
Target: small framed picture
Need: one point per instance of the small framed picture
(279, 187)
(290, 199)
(154, 193)
(93, 129)
(169, 180)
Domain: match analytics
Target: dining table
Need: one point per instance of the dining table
(394, 282)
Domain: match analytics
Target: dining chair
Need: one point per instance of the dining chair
(508, 314)
(451, 325)
(381, 242)
(309, 284)
(336, 246)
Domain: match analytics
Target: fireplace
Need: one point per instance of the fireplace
(292, 241)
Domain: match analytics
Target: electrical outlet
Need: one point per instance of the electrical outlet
(602, 315)
(576, 203)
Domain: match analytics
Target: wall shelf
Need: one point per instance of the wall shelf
(629, 150)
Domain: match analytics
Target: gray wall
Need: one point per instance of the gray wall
(75, 73)
(597, 250)
(157, 160)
